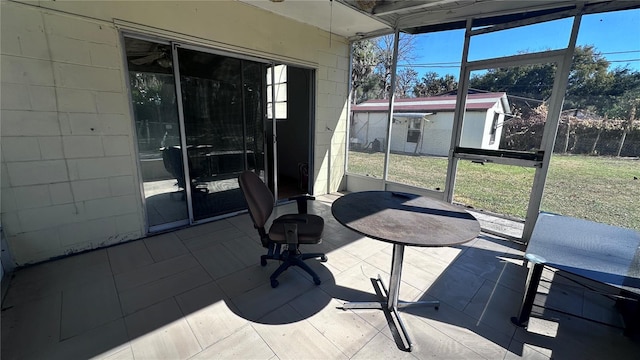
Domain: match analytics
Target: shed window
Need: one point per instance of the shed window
(494, 128)
(413, 133)
(280, 90)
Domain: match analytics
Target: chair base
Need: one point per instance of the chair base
(292, 258)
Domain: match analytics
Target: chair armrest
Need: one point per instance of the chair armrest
(301, 200)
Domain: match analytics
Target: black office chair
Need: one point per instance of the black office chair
(172, 159)
(287, 232)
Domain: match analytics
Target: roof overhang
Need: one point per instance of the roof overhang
(356, 19)
(411, 115)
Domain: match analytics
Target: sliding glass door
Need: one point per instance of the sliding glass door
(157, 125)
(222, 111)
(202, 117)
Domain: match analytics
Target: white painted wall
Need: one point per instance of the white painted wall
(473, 129)
(69, 179)
(436, 137)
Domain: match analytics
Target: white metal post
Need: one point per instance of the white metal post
(550, 130)
(458, 117)
(183, 133)
(392, 91)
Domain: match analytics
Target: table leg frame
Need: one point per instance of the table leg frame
(531, 288)
(392, 304)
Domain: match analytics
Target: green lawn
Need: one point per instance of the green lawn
(601, 189)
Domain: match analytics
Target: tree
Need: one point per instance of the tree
(529, 81)
(623, 94)
(363, 64)
(384, 52)
(589, 81)
(406, 80)
(431, 84)
(369, 89)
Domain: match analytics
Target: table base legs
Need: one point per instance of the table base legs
(385, 306)
(531, 287)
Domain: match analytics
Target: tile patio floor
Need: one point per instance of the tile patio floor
(200, 293)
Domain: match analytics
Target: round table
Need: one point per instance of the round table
(404, 220)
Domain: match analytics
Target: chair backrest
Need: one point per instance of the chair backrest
(258, 197)
(172, 159)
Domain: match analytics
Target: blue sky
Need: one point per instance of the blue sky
(616, 35)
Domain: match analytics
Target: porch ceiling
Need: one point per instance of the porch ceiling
(354, 18)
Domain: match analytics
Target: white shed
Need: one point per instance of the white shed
(424, 125)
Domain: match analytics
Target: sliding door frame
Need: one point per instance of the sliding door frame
(268, 167)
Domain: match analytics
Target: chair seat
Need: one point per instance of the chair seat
(310, 233)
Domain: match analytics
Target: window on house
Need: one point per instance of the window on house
(277, 92)
(494, 128)
(413, 132)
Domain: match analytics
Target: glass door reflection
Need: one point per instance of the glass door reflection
(153, 97)
(223, 117)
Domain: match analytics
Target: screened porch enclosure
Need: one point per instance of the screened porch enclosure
(535, 133)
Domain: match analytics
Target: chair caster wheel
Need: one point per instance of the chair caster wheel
(324, 258)
(437, 308)
(274, 283)
(317, 281)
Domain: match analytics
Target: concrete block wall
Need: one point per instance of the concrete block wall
(331, 116)
(68, 170)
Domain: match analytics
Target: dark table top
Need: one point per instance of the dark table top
(593, 250)
(406, 219)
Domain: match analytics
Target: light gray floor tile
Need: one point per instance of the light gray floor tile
(165, 246)
(207, 312)
(340, 261)
(599, 307)
(50, 278)
(494, 305)
(90, 344)
(243, 344)
(175, 309)
(365, 247)
(381, 347)
(87, 307)
(429, 341)
(204, 229)
(412, 275)
(154, 272)
(347, 331)
(357, 284)
(219, 261)
(129, 256)
(212, 238)
(143, 296)
(246, 279)
(290, 338)
(256, 303)
(29, 326)
(444, 256)
(246, 250)
(456, 287)
(487, 263)
(569, 299)
(481, 338)
(519, 350)
(496, 244)
(161, 332)
(572, 337)
(122, 352)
